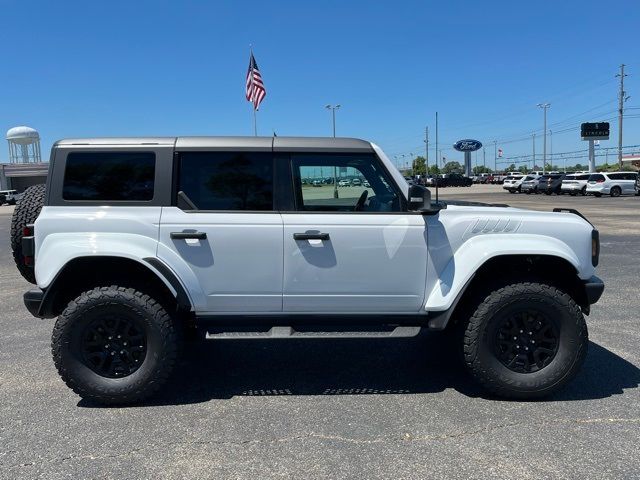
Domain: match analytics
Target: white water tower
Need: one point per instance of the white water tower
(24, 145)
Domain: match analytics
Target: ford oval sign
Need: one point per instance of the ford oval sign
(467, 145)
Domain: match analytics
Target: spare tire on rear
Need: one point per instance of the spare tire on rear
(26, 212)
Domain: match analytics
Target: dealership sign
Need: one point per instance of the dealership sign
(467, 145)
(595, 131)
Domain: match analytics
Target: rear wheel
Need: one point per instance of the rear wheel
(615, 191)
(525, 340)
(583, 191)
(115, 345)
(25, 213)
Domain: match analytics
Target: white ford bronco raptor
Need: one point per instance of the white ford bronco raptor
(136, 240)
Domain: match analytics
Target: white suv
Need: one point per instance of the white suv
(614, 184)
(575, 183)
(512, 183)
(139, 239)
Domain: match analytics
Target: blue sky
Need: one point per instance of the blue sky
(75, 69)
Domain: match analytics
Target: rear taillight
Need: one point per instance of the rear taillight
(28, 245)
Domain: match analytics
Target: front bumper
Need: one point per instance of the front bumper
(593, 289)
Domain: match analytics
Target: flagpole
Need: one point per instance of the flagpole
(255, 123)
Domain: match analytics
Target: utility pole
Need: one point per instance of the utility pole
(426, 149)
(437, 151)
(484, 159)
(495, 156)
(533, 163)
(544, 106)
(551, 148)
(621, 101)
(333, 109)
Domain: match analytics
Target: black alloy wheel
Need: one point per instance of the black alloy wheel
(526, 341)
(114, 346)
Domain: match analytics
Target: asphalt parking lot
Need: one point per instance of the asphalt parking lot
(337, 409)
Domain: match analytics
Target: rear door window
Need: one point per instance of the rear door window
(596, 177)
(109, 176)
(238, 181)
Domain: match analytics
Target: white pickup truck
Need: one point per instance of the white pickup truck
(135, 240)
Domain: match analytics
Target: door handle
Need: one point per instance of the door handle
(188, 235)
(311, 236)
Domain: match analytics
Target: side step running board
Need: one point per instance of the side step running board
(290, 332)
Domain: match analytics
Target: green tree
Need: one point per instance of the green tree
(452, 167)
(434, 170)
(481, 169)
(419, 166)
(523, 169)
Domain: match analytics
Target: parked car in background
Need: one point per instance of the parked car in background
(455, 180)
(498, 178)
(344, 183)
(356, 182)
(575, 183)
(551, 183)
(614, 184)
(513, 183)
(529, 184)
(8, 196)
(483, 178)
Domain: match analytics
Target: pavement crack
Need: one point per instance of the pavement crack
(407, 437)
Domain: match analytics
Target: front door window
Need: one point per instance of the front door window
(343, 183)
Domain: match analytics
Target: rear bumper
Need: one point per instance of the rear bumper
(33, 300)
(593, 289)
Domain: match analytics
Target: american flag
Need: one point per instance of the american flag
(255, 88)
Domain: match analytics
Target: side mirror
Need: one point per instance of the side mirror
(419, 198)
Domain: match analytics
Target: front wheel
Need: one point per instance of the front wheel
(114, 345)
(525, 340)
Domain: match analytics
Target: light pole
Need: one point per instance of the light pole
(544, 106)
(333, 109)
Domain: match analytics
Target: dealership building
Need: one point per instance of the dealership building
(25, 166)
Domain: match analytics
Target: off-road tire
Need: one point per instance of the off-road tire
(615, 191)
(482, 361)
(25, 213)
(163, 341)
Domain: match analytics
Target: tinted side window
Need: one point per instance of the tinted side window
(616, 176)
(227, 180)
(596, 177)
(126, 176)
